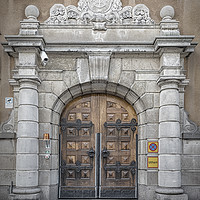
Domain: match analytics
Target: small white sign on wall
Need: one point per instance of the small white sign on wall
(9, 102)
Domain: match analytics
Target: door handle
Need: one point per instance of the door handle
(91, 153)
(105, 153)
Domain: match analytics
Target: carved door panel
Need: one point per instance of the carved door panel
(98, 148)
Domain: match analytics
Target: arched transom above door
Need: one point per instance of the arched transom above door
(98, 148)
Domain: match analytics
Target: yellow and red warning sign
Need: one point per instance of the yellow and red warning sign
(153, 147)
(152, 161)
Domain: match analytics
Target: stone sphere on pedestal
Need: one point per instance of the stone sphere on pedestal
(167, 13)
(32, 12)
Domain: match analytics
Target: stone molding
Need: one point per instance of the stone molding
(99, 13)
(190, 129)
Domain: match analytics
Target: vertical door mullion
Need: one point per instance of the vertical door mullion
(97, 165)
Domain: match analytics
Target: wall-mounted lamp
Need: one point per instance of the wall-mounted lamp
(47, 145)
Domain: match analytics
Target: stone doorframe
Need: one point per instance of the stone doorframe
(103, 87)
(164, 42)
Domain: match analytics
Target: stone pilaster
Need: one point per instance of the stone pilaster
(27, 142)
(170, 144)
(28, 48)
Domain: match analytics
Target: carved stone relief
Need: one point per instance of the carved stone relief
(190, 129)
(99, 13)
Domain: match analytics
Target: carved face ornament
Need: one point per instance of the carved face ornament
(100, 5)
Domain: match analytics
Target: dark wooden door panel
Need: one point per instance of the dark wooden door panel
(113, 173)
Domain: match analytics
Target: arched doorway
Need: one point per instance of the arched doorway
(98, 148)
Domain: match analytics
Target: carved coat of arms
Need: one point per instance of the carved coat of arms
(100, 6)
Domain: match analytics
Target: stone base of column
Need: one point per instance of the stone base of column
(25, 194)
(170, 194)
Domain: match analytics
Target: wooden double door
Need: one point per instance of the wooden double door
(98, 148)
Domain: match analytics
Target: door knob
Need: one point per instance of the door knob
(105, 153)
(91, 153)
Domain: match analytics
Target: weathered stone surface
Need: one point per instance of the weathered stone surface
(75, 91)
(27, 129)
(152, 178)
(190, 178)
(142, 147)
(142, 118)
(6, 176)
(169, 113)
(55, 118)
(127, 78)
(44, 164)
(54, 162)
(171, 196)
(27, 162)
(8, 162)
(148, 100)
(131, 97)
(142, 177)
(58, 87)
(50, 99)
(60, 62)
(115, 70)
(4, 191)
(44, 177)
(55, 132)
(170, 162)
(54, 177)
(54, 147)
(140, 63)
(70, 78)
(28, 112)
(27, 145)
(83, 70)
(142, 162)
(191, 162)
(146, 192)
(152, 86)
(191, 147)
(173, 143)
(51, 75)
(152, 115)
(193, 192)
(170, 59)
(27, 178)
(152, 130)
(169, 96)
(139, 87)
(7, 146)
(165, 178)
(121, 91)
(146, 75)
(142, 132)
(169, 129)
(139, 106)
(28, 96)
(45, 115)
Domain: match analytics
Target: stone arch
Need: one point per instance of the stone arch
(99, 87)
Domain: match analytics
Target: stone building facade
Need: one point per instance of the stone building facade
(92, 78)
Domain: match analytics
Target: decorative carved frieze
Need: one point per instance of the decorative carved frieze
(98, 13)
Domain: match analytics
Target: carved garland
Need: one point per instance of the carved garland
(99, 11)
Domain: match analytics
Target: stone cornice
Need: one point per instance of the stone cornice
(15, 43)
(181, 44)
